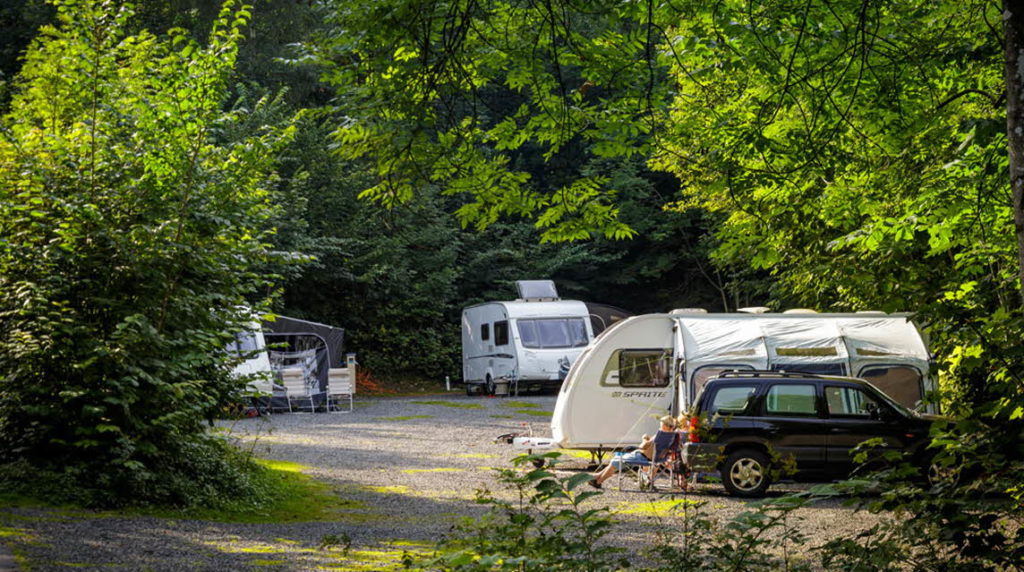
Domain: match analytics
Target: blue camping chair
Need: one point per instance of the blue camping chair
(666, 445)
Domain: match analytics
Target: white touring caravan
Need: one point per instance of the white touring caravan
(650, 365)
(529, 343)
(256, 367)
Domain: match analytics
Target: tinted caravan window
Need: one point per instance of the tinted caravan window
(902, 383)
(551, 333)
(644, 368)
(501, 333)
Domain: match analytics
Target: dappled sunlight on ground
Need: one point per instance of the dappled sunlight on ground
(401, 472)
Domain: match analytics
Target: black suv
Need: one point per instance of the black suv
(746, 422)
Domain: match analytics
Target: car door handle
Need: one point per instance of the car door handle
(838, 430)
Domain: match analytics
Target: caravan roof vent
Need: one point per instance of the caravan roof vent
(800, 311)
(537, 290)
(755, 310)
(689, 311)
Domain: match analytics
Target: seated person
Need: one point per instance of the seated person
(641, 456)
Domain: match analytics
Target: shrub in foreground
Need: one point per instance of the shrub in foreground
(130, 239)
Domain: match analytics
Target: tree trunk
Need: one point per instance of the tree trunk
(1013, 28)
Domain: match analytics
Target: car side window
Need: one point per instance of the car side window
(791, 399)
(733, 399)
(850, 402)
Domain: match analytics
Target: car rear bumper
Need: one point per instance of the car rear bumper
(702, 457)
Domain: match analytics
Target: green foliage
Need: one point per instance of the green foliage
(201, 472)
(757, 539)
(129, 239)
(852, 150)
(454, 94)
(966, 517)
(546, 527)
(857, 152)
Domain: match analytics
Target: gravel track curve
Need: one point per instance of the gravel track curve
(409, 466)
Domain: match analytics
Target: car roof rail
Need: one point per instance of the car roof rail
(767, 373)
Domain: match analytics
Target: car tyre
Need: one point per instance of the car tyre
(745, 473)
(938, 474)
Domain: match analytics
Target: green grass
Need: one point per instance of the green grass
(405, 417)
(656, 508)
(533, 412)
(291, 497)
(519, 404)
(576, 453)
(452, 404)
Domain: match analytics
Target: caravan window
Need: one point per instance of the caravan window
(485, 332)
(644, 368)
(245, 343)
(900, 382)
(501, 333)
(817, 368)
(550, 333)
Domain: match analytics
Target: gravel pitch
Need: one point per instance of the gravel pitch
(409, 466)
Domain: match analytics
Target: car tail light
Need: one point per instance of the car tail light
(691, 433)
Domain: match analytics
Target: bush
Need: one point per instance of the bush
(129, 243)
(548, 528)
(203, 472)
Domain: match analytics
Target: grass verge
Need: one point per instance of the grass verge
(287, 495)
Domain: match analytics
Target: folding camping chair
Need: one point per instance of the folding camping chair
(298, 376)
(666, 446)
(297, 387)
(340, 384)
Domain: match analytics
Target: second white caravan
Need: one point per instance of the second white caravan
(528, 343)
(650, 365)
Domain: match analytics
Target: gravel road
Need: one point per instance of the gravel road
(409, 466)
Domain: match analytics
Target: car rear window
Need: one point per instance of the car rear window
(732, 399)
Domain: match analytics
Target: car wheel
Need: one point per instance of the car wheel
(937, 473)
(745, 473)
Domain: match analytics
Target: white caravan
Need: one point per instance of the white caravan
(256, 367)
(529, 343)
(650, 365)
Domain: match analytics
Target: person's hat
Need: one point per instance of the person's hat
(668, 421)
